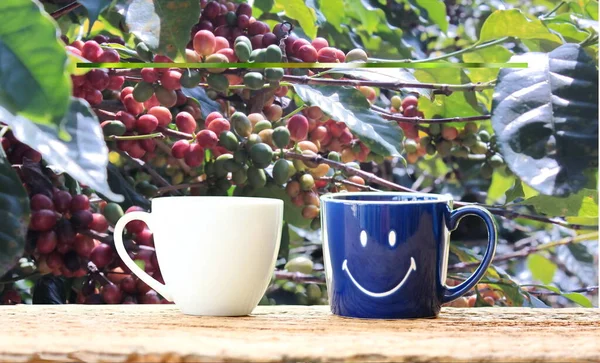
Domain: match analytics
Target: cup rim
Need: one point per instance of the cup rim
(341, 198)
(248, 201)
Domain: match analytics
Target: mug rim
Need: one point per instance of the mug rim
(341, 198)
(221, 199)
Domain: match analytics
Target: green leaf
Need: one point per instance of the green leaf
(33, 78)
(494, 54)
(297, 10)
(433, 11)
(546, 119)
(349, 105)
(383, 75)
(14, 214)
(291, 213)
(499, 187)
(542, 269)
(582, 204)
(573, 296)
(119, 184)
(140, 263)
(333, 10)
(94, 8)
(457, 104)
(84, 157)
(513, 23)
(164, 25)
(263, 6)
(562, 24)
(198, 94)
(515, 192)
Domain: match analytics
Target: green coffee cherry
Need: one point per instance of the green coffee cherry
(112, 212)
(143, 91)
(479, 148)
(228, 140)
(281, 171)
(430, 149)
(262, 125)
(231, 18)
(243, 39)
(486, 170)
(115, 127)
(241, 124)
(209, 168)
(273, 54)
(471, 127)
(396, 102)
(443, 147)
(496, 161)
(307, 182)
(240, 176)
(435, 129)
(424, 141)
(484, 136)
(410, 145)
(470, 140)
(146, 189)
(356, 55)
(313, 291)
(190, 78)
(261, 154)
(240, 156)
(220, 171)
(459, 152)
(256, 177)
(232, 166)
(253, 139)
(242, 50)
(315, 224)
(218, 82)
(274, 74)
(299, 264)
(335, 156)
(253, 80)
(281, 137)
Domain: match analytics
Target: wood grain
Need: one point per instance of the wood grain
(160, 333)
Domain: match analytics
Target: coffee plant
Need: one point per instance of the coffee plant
(83, 146)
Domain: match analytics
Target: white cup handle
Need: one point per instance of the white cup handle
(118, 237)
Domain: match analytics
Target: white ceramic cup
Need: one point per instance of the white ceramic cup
(216, 254)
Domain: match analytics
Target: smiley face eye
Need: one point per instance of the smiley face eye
(392, 238)
(363, 238)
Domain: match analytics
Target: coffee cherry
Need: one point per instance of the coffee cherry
(496, 161)
(194, 156)
(91, 51)
(204, 42)
(98, 78)
(410, 146)
(40, 201)
(396, 102)
(261, 154)
(356, 55)
(143, 91)
(79, 202)
(185, 122)
(449, 132)
(300, 264)
(471, 127)
(217, 58)
(167, 98)
(115, 83)
(180, 148)
(207, 138)
(410, 101)
(84, 245)
(111, 294)
(228, 140)
(113, 128)
(486, 171)
(46, 242)
(281, 170)
(307, 182)
(133, 107)
(319, 43)
(484, 136)
(162, 114)
(253, 80)
(298, 127)
(256, 177)
(112, 212)
(81, 218)
(241, 124)
(171, 80)
(146, 123)
(261, 125)
(149, 75)
(190, 78)
(327, 55)
(219, 125)
(307, 53)
(480, 148)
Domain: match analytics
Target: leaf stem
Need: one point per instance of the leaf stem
(65, 10)
(528, 251)
(143, 165)
(418, 120)
(554, 10)
(446, 89)
(471, 48)
(157, 135)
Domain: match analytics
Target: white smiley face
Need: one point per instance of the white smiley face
(392, 242)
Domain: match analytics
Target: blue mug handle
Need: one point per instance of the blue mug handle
(453, 293)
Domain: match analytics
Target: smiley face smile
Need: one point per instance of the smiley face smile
(413, 267)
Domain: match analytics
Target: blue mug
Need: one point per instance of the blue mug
(386, 254)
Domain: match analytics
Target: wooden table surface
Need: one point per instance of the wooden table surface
(160, 333)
